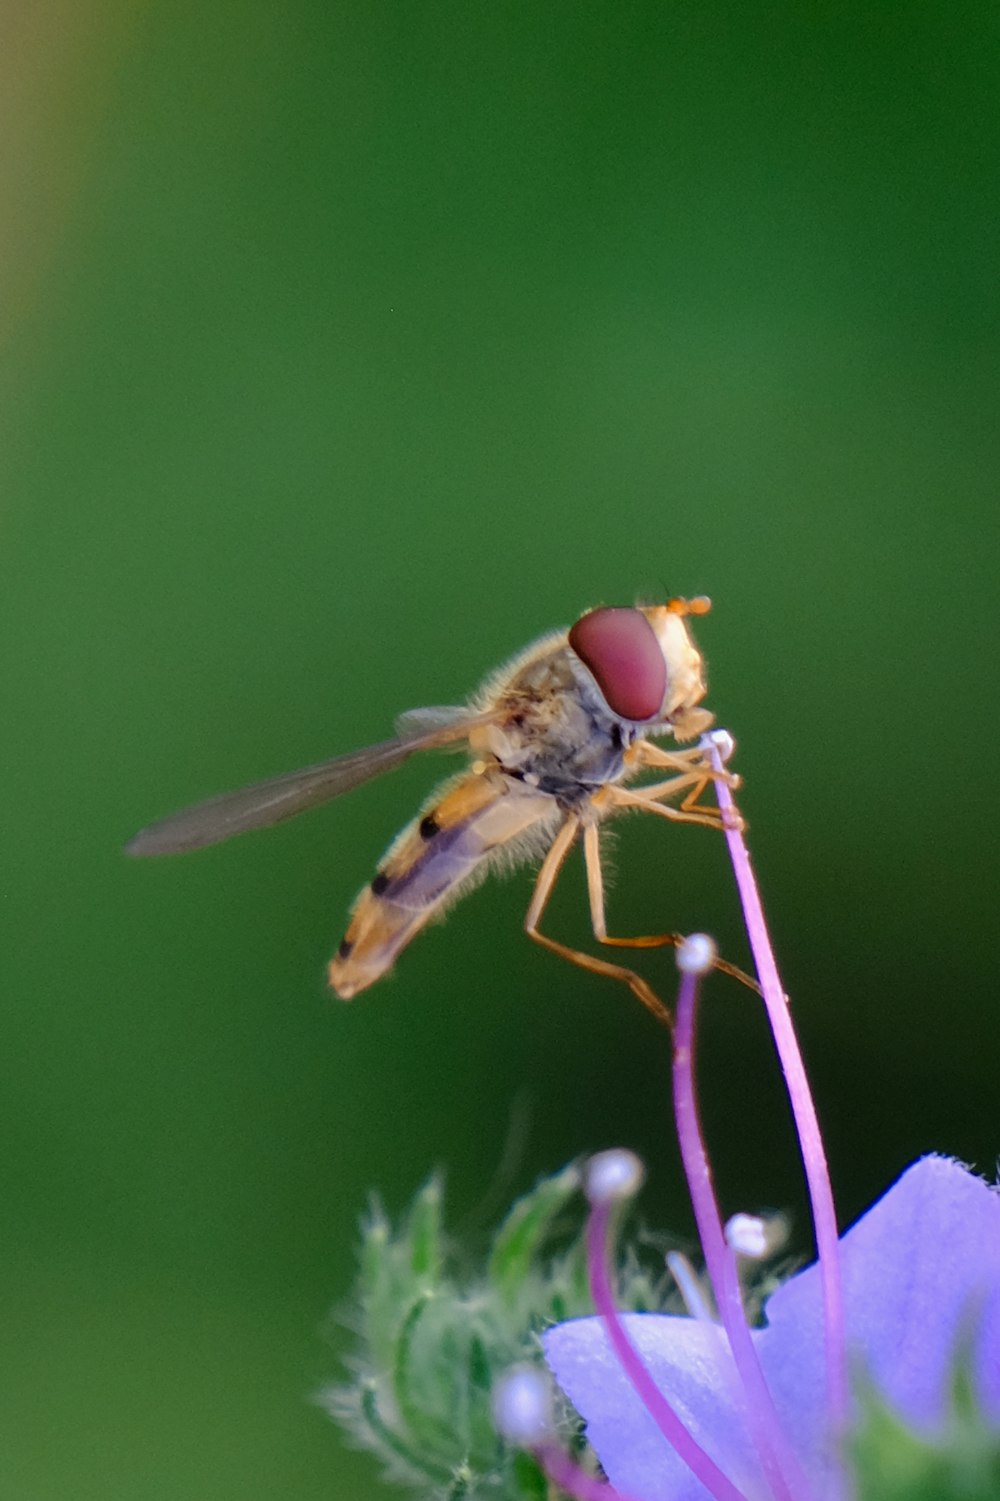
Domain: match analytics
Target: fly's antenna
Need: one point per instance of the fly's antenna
(700, 605)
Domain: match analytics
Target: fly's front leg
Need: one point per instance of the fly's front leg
(695, 773)
(649, 800)
(645, 753)
(693, 760)
(547, 876)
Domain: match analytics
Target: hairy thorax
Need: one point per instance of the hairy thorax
(555, 732)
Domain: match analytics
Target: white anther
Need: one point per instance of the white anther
(696, 955)
(612, 1176)
(522, 1406)
(747, 1235)
(719, 740)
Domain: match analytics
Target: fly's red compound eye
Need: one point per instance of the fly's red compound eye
(621, 649)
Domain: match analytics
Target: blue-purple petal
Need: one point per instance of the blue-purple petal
(921, 1285)
(690, 1362)
(921, 1276)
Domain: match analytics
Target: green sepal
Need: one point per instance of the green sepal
(434, 1336)
(524, 1232)
(425, 1232)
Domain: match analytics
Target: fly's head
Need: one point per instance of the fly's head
(646, 665)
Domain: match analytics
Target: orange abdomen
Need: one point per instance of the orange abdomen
(437, 857)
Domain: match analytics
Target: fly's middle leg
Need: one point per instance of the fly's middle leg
(547, 876)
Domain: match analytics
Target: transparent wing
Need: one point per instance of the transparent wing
(270, 802)
(435, 717)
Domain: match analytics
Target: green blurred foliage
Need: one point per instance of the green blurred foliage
(961, 1463)
(345, 348)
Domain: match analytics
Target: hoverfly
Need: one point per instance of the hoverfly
(554, 736)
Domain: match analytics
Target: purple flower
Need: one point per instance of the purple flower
(921, 1279)
(690, 1409)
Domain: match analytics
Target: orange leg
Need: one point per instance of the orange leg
(646, 753)
(649, 799)
(595, 890)
(694, 771)
(547, 876)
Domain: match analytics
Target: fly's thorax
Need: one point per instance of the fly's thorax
(555, 731)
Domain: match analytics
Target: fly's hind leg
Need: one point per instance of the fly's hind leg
(595, 890)
(547, 876)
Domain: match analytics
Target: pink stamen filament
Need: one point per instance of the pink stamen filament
(670, 1425)
(778, 1461)
(803, 1110)
(568, 1476)
(523, 1415)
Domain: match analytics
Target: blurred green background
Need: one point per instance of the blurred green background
(346, 348)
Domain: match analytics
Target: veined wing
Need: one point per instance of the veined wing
(434, 717)
(270, 802)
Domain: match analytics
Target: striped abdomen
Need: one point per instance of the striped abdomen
(441, 854)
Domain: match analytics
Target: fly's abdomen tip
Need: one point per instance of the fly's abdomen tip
(341, 987)
(339, 982)
(349, 973)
